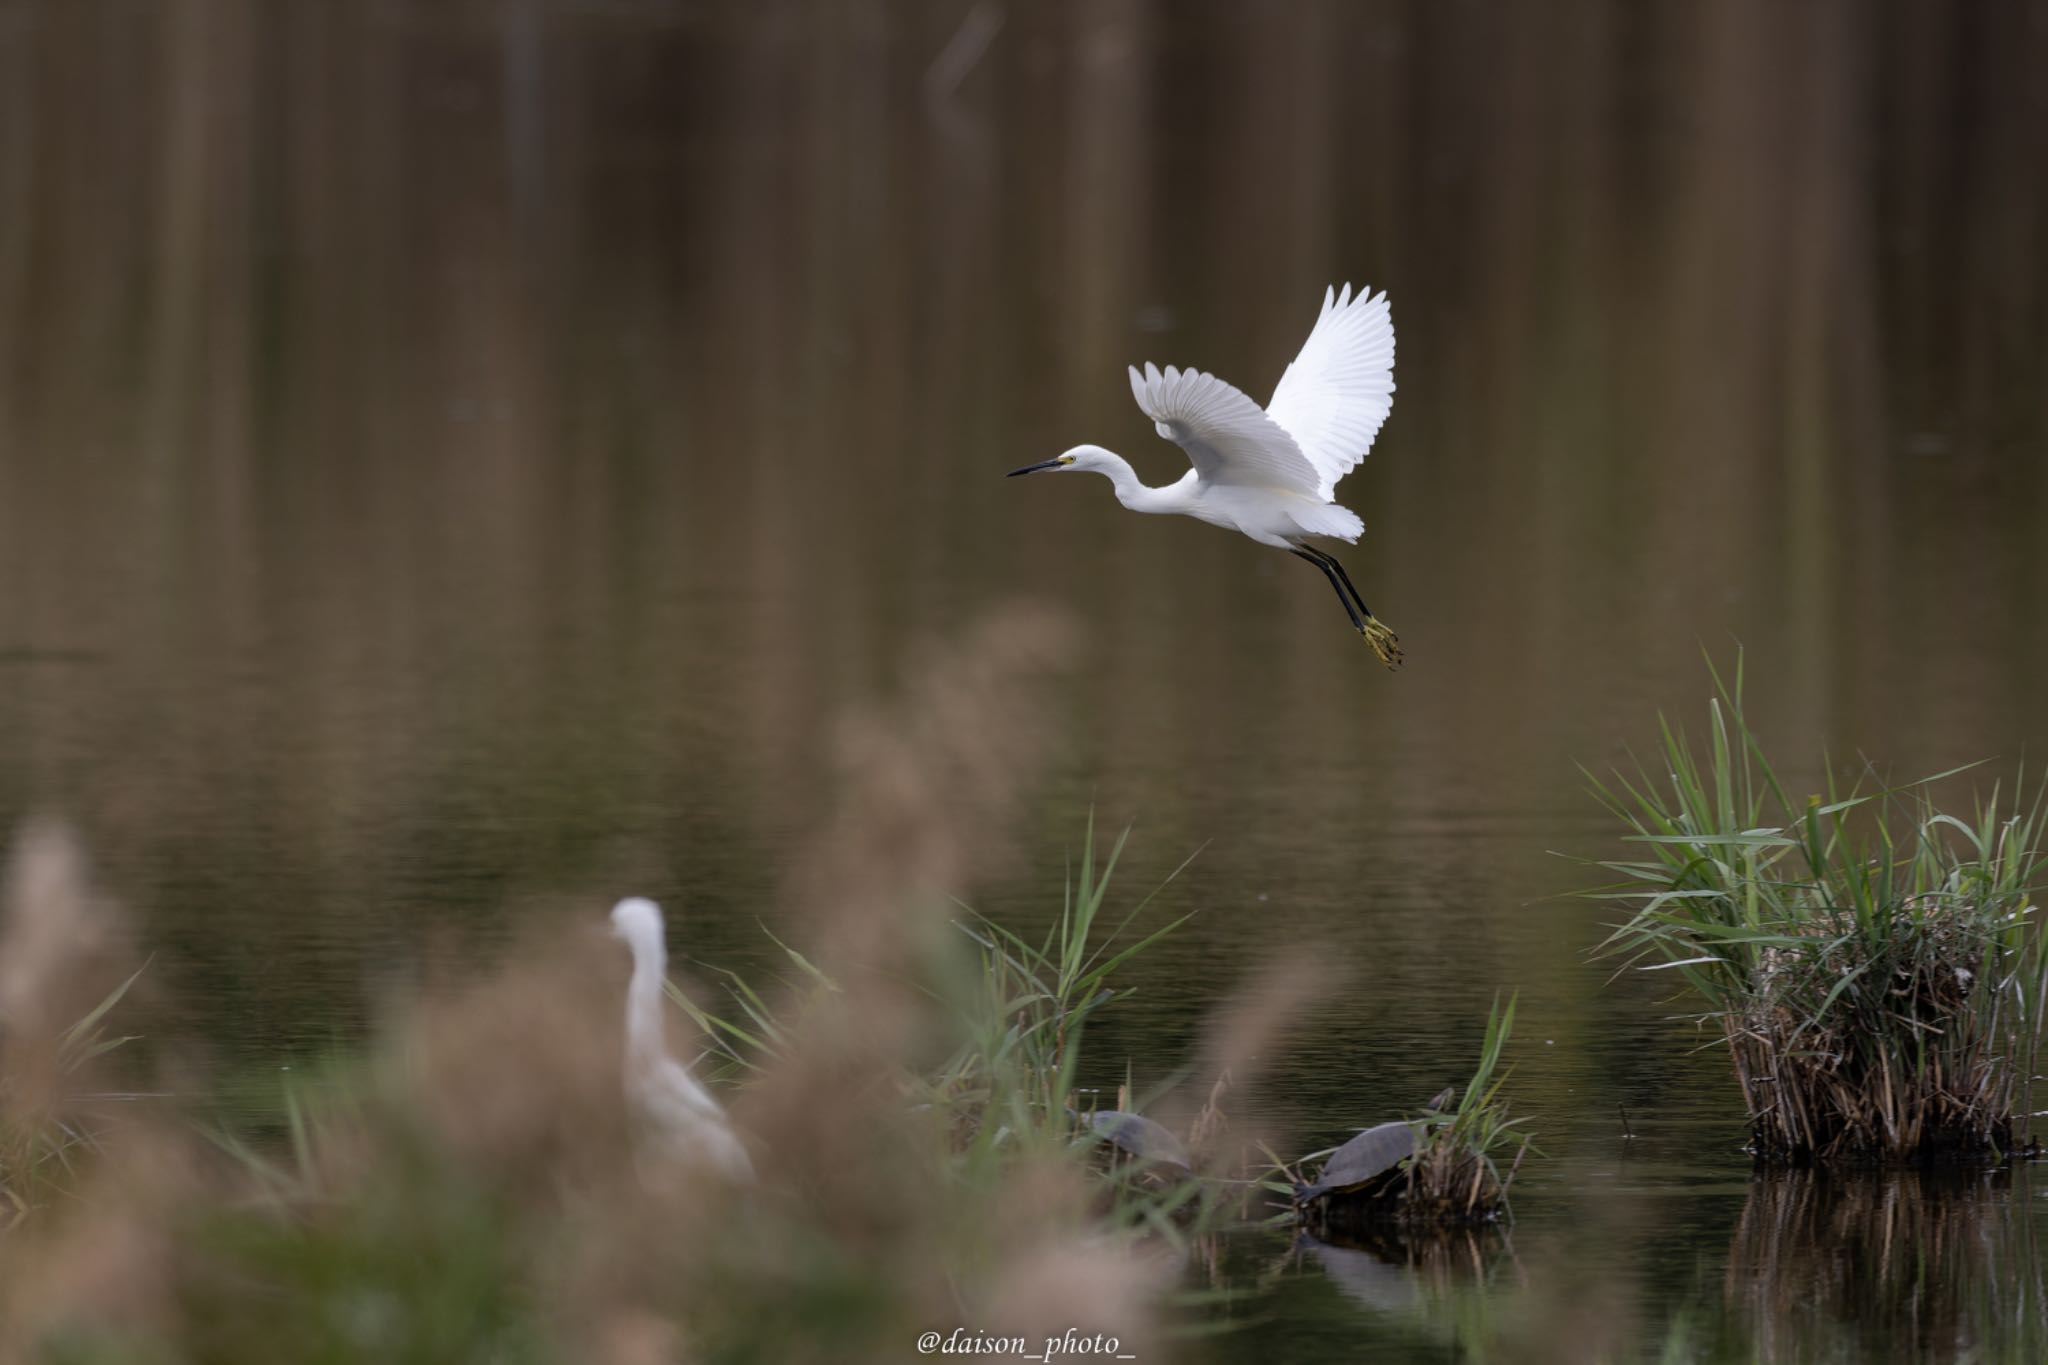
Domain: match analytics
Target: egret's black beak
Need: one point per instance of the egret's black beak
(1034, 468)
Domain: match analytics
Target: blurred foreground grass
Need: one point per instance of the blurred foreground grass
(470, 1186)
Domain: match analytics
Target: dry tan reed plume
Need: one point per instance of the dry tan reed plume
(518, 1072)
(64, 954)
(1237, 1040)
(928, 788)
(65, 964)
(928, 783)
(59, 957)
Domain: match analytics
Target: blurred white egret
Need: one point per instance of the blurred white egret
(1271, 472)
(673, 1099)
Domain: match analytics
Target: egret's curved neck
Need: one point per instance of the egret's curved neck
(643, 1004)
(1129, 491)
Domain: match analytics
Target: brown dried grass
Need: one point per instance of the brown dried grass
(1927, 1081)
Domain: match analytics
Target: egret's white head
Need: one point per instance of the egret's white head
(637, 920)
(1080, 457)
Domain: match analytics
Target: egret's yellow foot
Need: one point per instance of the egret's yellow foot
(1384, 642)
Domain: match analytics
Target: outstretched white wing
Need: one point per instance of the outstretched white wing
(1339, 390)
(1227, 436)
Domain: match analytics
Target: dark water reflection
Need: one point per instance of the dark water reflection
(457, 461)
(1906, 1266)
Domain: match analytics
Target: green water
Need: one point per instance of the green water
(460, 463)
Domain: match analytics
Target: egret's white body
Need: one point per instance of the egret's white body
(1271, 473)
(675, 1101)
(1277, 517)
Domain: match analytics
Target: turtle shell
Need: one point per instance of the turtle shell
(1140, 1137)
(1362, 1160)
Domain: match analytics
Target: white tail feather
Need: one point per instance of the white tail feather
(1328, 519)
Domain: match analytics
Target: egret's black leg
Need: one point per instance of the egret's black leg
(1384, 642)
(1324, 556)
(1337, 587)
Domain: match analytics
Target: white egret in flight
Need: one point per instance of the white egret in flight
(662, 1087)
(1271, 472)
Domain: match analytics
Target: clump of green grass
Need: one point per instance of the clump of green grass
(1874, 962)
(1455, 1175)
(1026, 1006)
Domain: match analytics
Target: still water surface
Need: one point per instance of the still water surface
(458, 463)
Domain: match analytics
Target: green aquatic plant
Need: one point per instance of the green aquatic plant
(1875, 963)
(1455, 1175)
(1024, 1007)
(1012, 1084)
